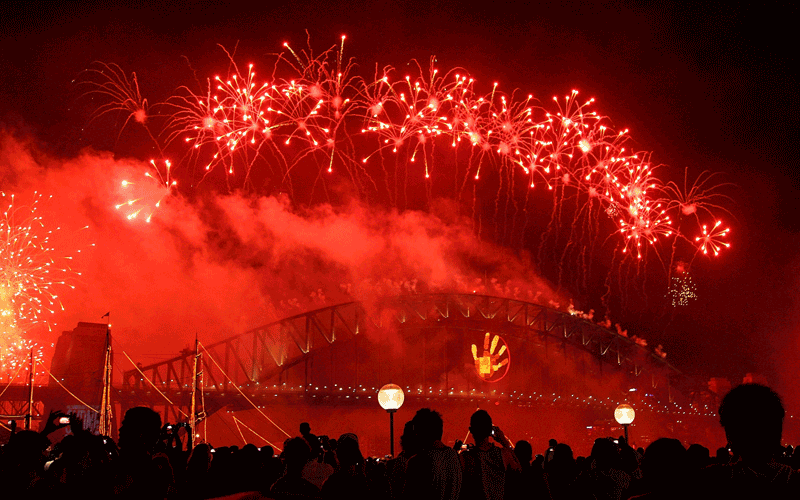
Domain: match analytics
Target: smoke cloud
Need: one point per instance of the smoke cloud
(216, 264)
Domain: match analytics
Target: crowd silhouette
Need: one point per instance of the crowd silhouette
(150, 461)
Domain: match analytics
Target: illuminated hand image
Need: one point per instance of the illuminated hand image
(488, 366)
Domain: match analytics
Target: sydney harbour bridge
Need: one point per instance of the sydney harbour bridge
(444, 350)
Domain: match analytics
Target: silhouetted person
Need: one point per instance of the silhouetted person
(315, 470)
(605, 478)
(528, 482)
(697, 457)
(485, 465)
(329, 456)
(291, 485)
(664, 468)
(196, 482)
(272, 467)
(629, 460)
(311, 439)
(548, 453)
(723, 456)
(435, 471)
(524, 452)
(22, 465)
(752, 416)
(81, 465)
(142, 471)
(396, 467)
(248, 470)
(350, 480)
(560, 472)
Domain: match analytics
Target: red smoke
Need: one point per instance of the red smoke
(220, 264)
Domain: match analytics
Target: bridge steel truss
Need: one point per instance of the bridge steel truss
(237, 367)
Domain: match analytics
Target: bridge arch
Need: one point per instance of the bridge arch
(258, 361)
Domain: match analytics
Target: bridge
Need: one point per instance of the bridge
(277, 360)
(341, 354)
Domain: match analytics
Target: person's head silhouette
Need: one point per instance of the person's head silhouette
(428, 427)
(752, 416)
(296, 453)
(139, 431)
(409, 440)
(664, 463)
(605, 454)
(524, 452)
(348, 451)
(480, 425)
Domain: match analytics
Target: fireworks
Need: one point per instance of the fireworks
(681, 290)
(121, 93)
(144, 197)
(712, 240)
(243, 119)
(30, 276)
(311, 116)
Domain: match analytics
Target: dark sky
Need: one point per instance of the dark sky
(710, 87)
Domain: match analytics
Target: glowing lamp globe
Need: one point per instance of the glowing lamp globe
(391, 397)
(624, 414)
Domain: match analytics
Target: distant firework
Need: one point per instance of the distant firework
(310, 119)
(31, 274)
(712, 239)
(681, 290)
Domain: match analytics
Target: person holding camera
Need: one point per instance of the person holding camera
(485, 465)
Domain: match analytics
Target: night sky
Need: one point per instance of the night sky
(704, 88)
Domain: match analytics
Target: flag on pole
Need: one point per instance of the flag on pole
(106, 315)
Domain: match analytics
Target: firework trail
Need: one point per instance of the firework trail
(31, 274)
(317, 119)
(119, 93)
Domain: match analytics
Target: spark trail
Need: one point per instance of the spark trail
(310, 119)
(31, 274)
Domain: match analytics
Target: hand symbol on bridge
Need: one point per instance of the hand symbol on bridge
(488, 364)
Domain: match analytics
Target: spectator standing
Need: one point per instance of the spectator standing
(350, 480)
(605, 480)
(664, 468)
(311, 439)
(316, 471)
(292, 486)
(752, 416)
(435, 471)
(528, 482)
(551, 447)
(485, 465)
(397, 467)
(560, 472)
(142, 471)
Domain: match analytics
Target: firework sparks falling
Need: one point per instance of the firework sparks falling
(682, 290)
(31, 274)
(120, 92)
(310, 118)
(570, 145)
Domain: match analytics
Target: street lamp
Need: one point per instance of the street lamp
(624, 416)
(391, 397)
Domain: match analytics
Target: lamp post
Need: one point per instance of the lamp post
(624, 415)
(391, 397)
